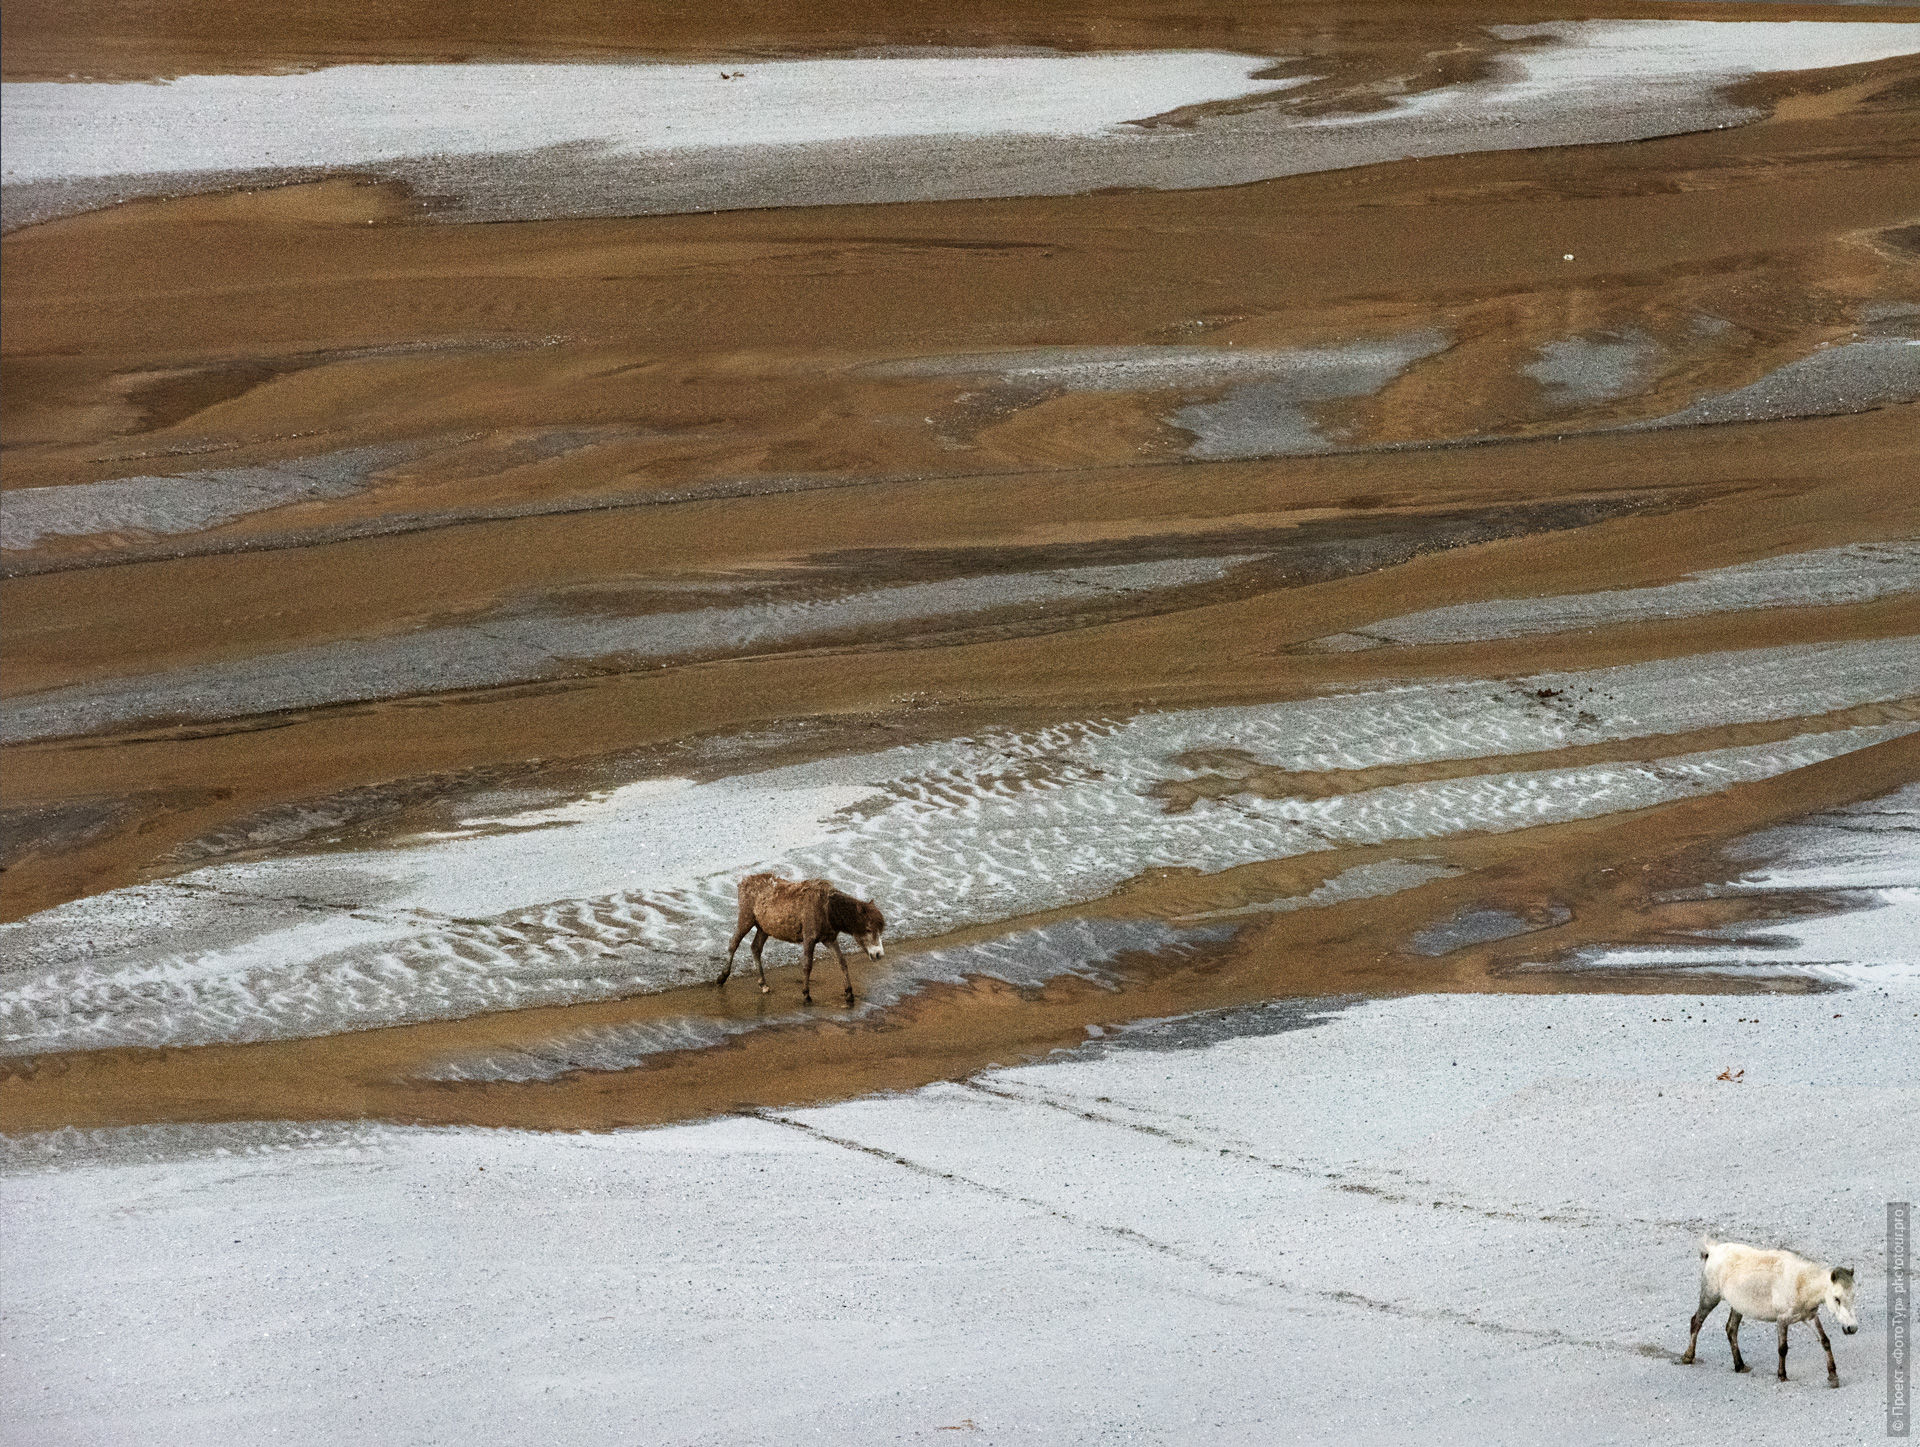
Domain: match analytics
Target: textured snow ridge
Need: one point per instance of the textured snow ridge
(634, 890)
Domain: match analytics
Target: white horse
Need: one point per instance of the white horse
(1775, 1286)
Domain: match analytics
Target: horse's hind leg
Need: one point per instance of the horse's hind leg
(759, 944)
(738, 935)
(806, 972)
(1833, 1372)
(1708, 1301)
(1733, 1339)
(1782, 1335)
(845, 976)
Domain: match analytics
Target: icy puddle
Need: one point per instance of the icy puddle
(633, 891)
(1856, 573)
(515, 140)
(1847, 884)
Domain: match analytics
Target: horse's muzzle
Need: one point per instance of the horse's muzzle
(875, 952)
(1849, 1330)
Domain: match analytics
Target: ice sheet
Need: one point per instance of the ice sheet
(1466, 1218)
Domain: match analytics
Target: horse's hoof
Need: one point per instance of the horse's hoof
(766, 989)
(1833, 1381)
(849, 999)
(1741, 1367)
(806, 999)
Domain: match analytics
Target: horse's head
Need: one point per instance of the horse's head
(870, 924)
(1839, 1298)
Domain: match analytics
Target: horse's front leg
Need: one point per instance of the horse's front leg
(846, 976)
(1833, 1372)
(1781, 1334)
(1733, 1338)
(806, 971)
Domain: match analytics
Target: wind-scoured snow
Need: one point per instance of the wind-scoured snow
(1149, 368)
(1577, 370)
(1273, 415)
(1852, 377)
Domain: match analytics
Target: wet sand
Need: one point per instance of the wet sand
(341, 531)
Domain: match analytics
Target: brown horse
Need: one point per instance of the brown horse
(803, 912)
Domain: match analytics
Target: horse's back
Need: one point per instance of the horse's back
(784, 908)
(1753, 1280)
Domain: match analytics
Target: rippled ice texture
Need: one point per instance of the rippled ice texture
(634, 890)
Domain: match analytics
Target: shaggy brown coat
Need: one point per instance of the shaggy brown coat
(803, 912)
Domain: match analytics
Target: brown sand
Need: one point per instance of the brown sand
(52, 40)
(177, 335)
